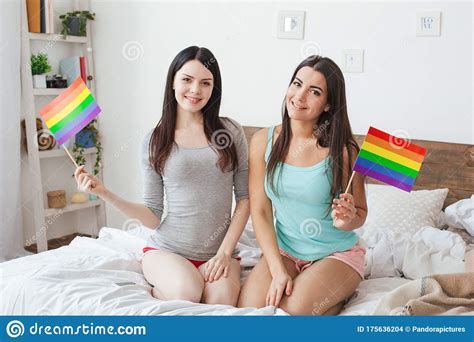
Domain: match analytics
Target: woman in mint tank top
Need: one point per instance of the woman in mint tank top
(298, 172)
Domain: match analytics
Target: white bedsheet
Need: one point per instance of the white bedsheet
(367, 295)
(81, 279)
(429, 251)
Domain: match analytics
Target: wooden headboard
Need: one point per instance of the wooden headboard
(446, 165)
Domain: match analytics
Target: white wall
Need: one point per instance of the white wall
(418, 86)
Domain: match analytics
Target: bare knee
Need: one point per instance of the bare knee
(185, 292)
(224, 295)
(185, 283)
(335, 310)
(296, 307)
(292, 308)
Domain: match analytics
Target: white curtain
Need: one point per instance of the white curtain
(11, 227)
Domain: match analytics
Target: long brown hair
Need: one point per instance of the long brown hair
(162, 138)
(334, 130)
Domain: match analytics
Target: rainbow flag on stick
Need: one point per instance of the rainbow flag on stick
(70, 112)
(389, 159)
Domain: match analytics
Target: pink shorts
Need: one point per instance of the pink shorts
(354, 257)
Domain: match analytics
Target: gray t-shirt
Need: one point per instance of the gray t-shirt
(198, 195)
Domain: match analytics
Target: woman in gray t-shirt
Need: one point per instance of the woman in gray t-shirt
(197, 161)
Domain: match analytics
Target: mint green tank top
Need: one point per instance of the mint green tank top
(300, 203)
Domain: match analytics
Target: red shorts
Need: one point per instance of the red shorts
(196, 263)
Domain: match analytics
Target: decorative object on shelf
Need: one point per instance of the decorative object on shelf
(33, 41)
(79, 197)
(46, 140)
(75, 23)
(39, 67)
(56, 199)
(86, 138)
(72, 67)
(56, 81)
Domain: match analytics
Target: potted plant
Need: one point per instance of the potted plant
(75, 23)
(39, 67)
(86, 138)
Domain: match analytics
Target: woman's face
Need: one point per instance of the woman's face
(307, 95)
(193, 85)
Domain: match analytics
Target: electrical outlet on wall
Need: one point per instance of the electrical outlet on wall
(353, 60)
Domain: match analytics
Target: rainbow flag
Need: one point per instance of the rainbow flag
(70, 112)
(389, 159)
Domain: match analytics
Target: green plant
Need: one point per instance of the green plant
(78, 150)
(40, 64)
(83, 17)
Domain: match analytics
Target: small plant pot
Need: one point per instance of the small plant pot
(39, 81)
(74, 26)
(85, 139)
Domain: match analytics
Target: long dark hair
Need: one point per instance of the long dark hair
(162, 138)
(333, 127)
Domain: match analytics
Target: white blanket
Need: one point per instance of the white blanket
(82, 279)
(429, 251)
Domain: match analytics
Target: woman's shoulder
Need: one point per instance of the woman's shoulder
(262, 135)
(260, 139)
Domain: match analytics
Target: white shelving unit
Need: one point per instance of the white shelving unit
(39, 213)
(47, 91)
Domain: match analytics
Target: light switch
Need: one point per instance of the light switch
(290, 24)
(428, 23)
(353, 60)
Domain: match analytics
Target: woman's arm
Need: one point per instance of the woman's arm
(237, 225)
(260, 204)
(220, 263)
(350, 211)
(137, 211)
(148, 213)
(88, 183)
(262, 218)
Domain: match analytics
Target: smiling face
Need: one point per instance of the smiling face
(307, 95)
(193, 85)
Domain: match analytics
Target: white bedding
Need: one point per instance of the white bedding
(80, 279)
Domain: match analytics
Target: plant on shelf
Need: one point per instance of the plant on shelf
(86, 138)
(39, 67)
(75, 23)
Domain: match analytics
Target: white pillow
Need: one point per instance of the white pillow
(398, 214)
(461, 214)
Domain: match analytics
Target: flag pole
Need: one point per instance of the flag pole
(350, 181)
(69, 154)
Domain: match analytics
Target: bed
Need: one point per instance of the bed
(103, 276)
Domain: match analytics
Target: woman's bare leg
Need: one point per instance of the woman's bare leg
(225, 290)
(172, 276)
(255, 289)
(321, 287)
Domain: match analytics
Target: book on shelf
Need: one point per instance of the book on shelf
(40, 15)
(82, 62)
(34, 15)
